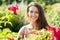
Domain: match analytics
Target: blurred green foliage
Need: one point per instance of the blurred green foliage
(8, 19)
(11, 21)
(53, 14)
(6, 33)
(15, 22)
(42, 34)
(28, 1)
(4, 18)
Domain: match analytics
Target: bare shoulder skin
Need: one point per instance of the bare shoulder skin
(23, 31)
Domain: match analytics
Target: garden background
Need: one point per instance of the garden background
(12, 13)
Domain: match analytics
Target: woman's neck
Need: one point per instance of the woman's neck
(34, 25)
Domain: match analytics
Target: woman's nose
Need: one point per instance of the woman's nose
(33, 13)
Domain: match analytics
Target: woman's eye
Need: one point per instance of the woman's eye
(36, 12)
(31, 11)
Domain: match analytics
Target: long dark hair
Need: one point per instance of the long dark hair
(42, 23)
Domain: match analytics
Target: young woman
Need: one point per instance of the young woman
(37, 20)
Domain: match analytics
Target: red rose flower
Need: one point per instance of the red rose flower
(55, 32)
(13, 8)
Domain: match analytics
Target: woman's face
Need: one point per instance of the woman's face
(33, 13)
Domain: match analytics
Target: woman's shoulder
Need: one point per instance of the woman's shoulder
(24, 27)
(22, 31)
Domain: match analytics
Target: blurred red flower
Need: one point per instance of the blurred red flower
(10, 38)
(55, 32)
(13, 8)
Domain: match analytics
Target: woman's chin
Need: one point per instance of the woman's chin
(33, 20)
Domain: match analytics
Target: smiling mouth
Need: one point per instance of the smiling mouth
(33, 17)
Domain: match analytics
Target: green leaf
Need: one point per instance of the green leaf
(10, 23)
(2, 18)
(5, 23)
(0, 26)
